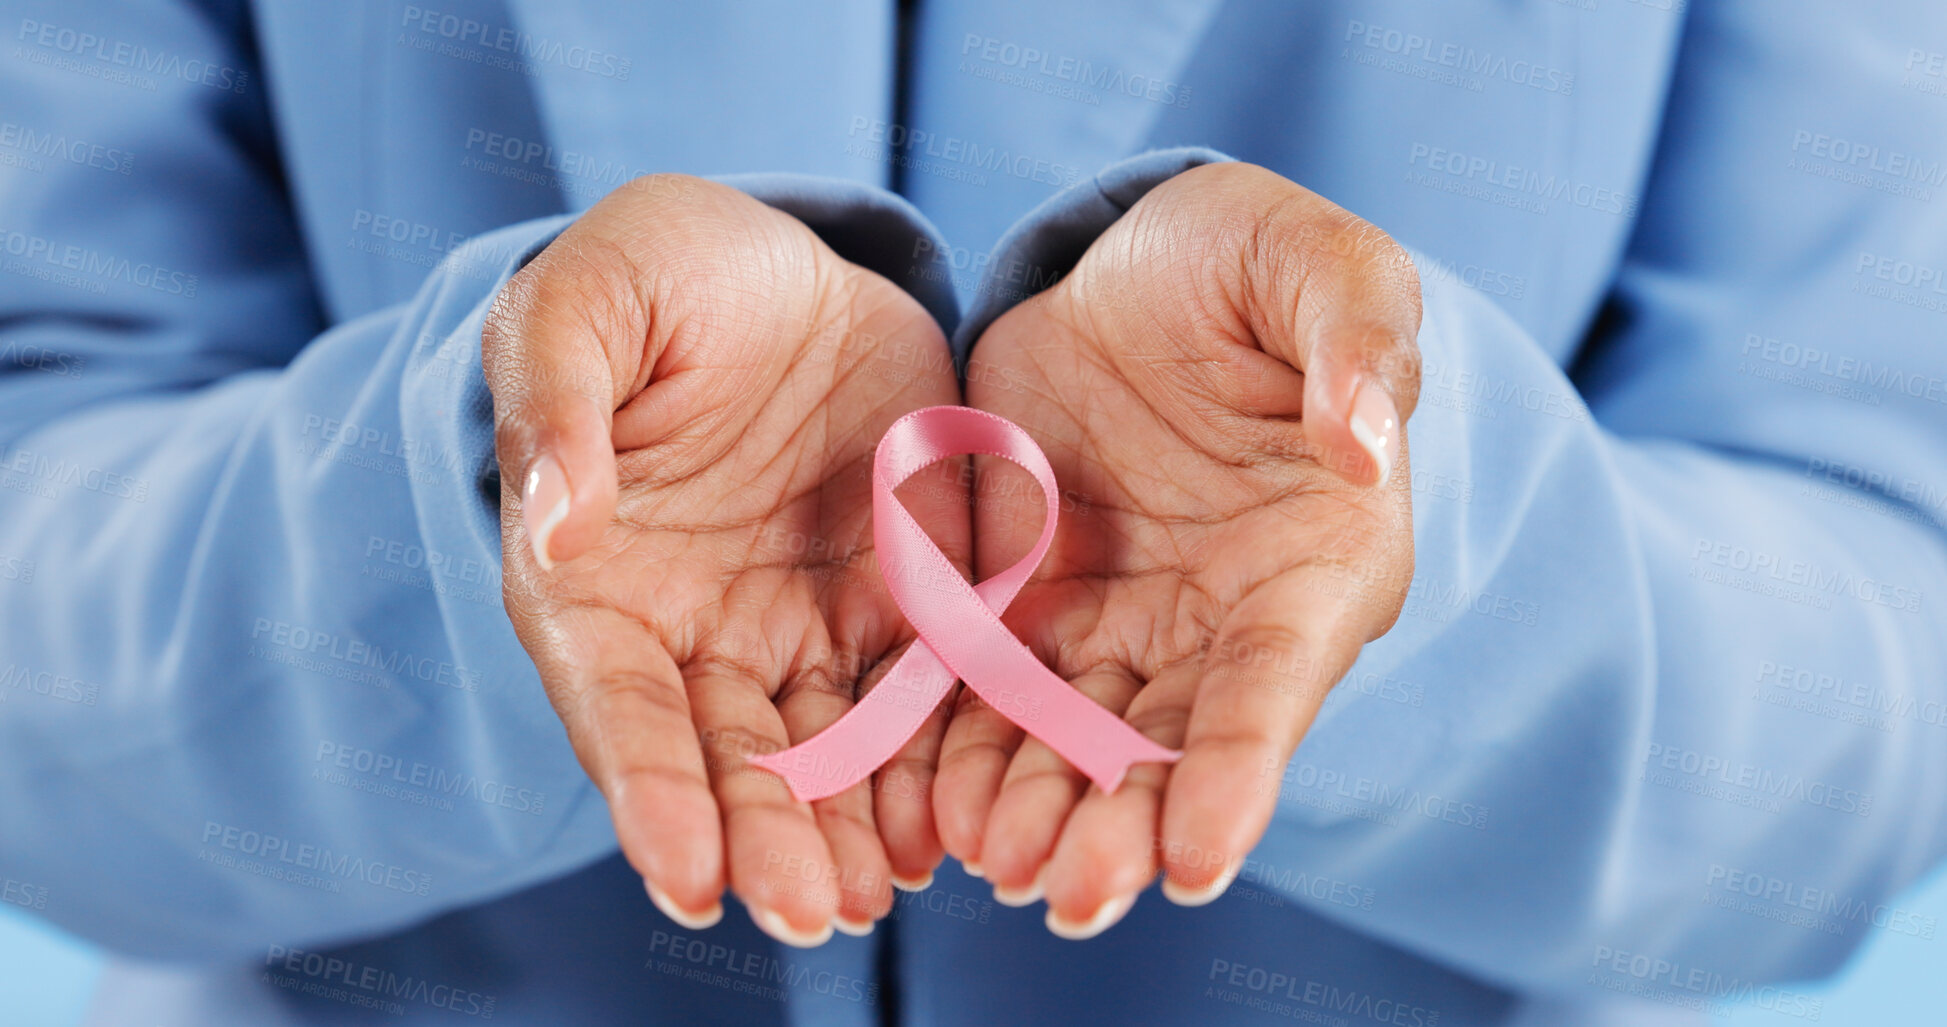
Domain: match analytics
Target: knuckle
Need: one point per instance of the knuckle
(516, 429)
(730, 747)
(1269, 636)
(657, 188)
(1363, 251)
(1405, 378)
(630, 684)
(1393, 358)
(499, 334)
(580, 293)
(1241, 179)
(737, 671)
(1163, 724)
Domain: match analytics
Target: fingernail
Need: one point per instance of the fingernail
(913, 883)
(684, 918)
(856, 930)
(544, 505)
(1028, 896)
(972, 869)
(1104, 918)
(773, 923)
(1184, 896)
(1375, 423)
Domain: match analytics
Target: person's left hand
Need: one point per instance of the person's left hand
(1220, 384)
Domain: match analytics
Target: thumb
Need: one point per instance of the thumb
(1361, 383)
(1350, 320)
(554, 395)
(1342, 304)
(1335, 297)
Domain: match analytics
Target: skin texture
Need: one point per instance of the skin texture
(1224, 551)
(712, 379)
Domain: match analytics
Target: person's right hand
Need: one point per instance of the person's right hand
(688, 389)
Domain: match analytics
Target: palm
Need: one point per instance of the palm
(738, 582)
(1202, 548)
(1164, 531)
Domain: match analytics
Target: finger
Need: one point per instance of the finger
(1338, 299)
(554, 392)
(1107, 851)
(858, 875)
(980, 743)
(628, 716)
(1325, 292)
(1277, 654)
(903, 800)
(1355, 389)
(1036, 797)
(904, 788)
(776, 851)
(974, 756)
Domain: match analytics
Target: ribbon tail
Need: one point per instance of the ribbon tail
(1095, 741)
(869, 734)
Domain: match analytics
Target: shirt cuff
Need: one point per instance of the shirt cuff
(1048, 241)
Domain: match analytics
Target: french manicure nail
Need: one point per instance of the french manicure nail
(1185, 896)
(773, 923)
(913, 883)
(1028, 896)
(1375, 423)
(684, 918)
(1104, 918)
(856, 930)
(973, 870)
(544, 505)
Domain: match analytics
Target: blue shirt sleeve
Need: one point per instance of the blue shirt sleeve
(255, 679)
(256, 682)
(1670, 670)
(1676, 618)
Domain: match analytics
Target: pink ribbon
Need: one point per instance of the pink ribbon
(960, 630)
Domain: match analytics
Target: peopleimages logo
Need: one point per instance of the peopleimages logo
(1458, 58)
(1845, 368)
(1524, 182)
(1803, 574)
(40, 358)
(1304, 998)
(391, 769)
(912, 142)
(1821, 901)
(315, 973)
(1760, 781)
(1031, 60)
(1672, 982)
(22, 894)
(1861, 699)
(35, 251)
(1869, 157)
(446, 33)
(59, 146)
(758, 974)
(27, 681)
(161, 63)
(316, 859)
(399, 663)
(32, 467)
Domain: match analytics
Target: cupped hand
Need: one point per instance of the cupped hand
(688, 387)
(1221, 384)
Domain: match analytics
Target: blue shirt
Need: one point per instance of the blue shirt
(1660, 726)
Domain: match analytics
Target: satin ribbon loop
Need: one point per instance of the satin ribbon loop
(960, 631)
